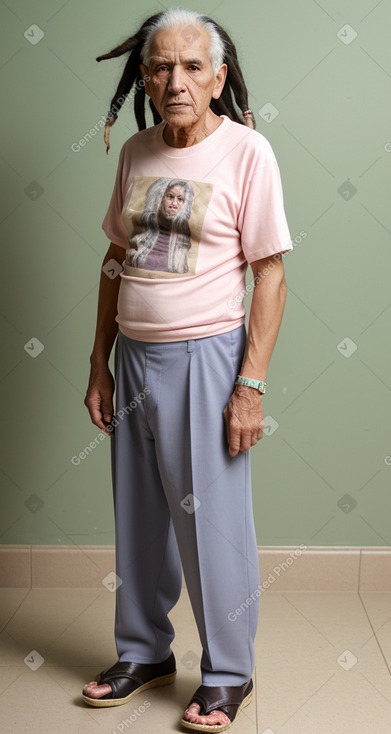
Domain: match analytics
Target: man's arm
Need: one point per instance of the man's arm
(100, 390)
(244, 412)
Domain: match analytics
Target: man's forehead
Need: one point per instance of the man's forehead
(181, 40)
(187, 57)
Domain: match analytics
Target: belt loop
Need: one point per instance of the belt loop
(190, 345)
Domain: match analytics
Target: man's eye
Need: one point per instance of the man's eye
(193, 67)
(160, 68)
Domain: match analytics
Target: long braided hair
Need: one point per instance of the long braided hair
(234, 95)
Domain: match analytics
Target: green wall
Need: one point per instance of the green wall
(322, 476)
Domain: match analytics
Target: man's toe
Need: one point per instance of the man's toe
(215, 718)
(93, 690)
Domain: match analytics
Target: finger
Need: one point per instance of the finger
(235, 440)
(246, 441)
(96, 416)
(109, 428)
(226, 419)
(107, 410)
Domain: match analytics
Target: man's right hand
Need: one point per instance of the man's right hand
(99, 398)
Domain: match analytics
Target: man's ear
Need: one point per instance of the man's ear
(220, 81)
(145, 76)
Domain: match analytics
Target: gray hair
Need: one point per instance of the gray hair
(233, 100)
(174, 17)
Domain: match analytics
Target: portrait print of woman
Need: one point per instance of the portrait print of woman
(165, 240)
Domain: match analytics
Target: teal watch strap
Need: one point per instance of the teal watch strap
(249, 382)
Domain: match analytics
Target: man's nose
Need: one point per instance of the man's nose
(176, 82)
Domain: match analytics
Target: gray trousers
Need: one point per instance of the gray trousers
(182, 502)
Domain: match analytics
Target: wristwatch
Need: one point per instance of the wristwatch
(249, 382)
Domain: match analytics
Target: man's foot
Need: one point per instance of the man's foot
(94, 690)
(216, 707)
(215, 718)
(120, 683)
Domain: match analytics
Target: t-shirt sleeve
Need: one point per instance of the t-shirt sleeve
(262, 222)
(113, 224)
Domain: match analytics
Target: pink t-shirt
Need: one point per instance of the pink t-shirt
(190, 220)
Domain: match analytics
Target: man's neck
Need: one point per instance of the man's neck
(185, 137)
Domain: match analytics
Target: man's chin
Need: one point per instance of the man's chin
(183, 111)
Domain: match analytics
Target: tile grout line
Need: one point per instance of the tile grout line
(374, 632)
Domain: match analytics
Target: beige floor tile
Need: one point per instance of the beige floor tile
(319, 668)
(324, 700)
(65, 626)
(37, 703)
(89, 638)
(72, 631)
(312, 629)
(47, 701)
(378, 608)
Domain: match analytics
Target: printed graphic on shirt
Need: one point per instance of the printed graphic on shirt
(164, 218)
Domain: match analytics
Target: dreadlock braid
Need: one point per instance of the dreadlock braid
(131, 74)
(234, 96)
(234, 85)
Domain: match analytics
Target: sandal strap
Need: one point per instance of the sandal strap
(139, 672)
(223, 698)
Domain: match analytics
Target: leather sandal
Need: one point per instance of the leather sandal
(228, 699)
(129, 679)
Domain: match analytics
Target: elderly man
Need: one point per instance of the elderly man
(189, 380)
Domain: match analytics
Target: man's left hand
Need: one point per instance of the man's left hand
(244, 420)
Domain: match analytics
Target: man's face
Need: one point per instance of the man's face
(182, 82)
(173, 201)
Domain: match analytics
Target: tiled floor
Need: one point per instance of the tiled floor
(323, 665)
